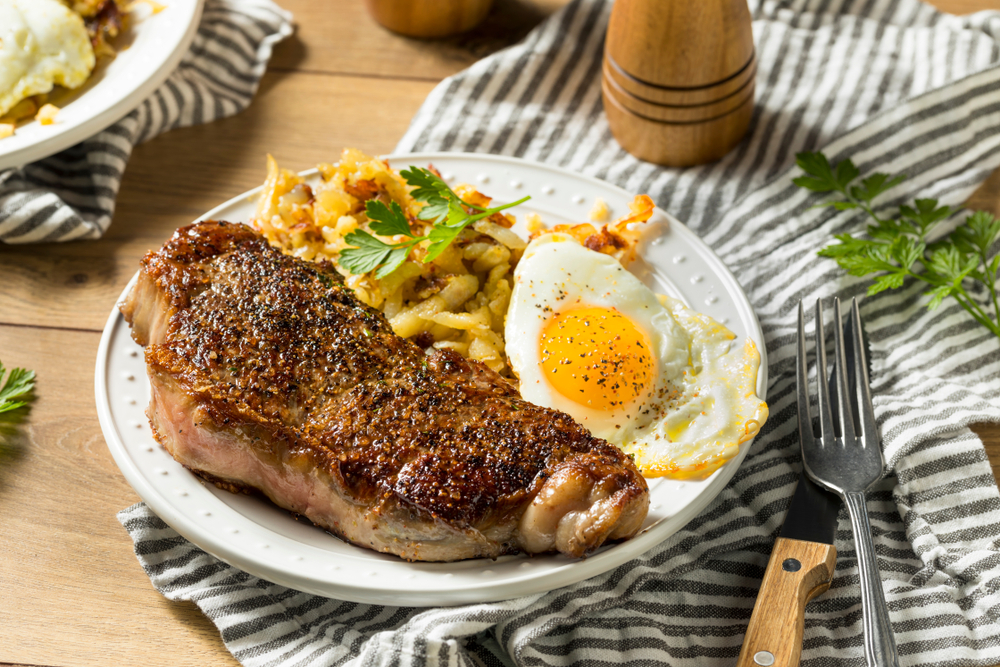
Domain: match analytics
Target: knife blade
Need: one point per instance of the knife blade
(812, 514)
(801, 567)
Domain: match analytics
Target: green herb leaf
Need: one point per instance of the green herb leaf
(926, 215)
(896, 248)
(950, 264)
(436, 209)
(889, 230)
(874, 259)
(18, 384)
(393, 260)
(846, 172)
(370, 253)
(906, 251)
(434, 192)
(445, 209)
(387, 220)
(440, 237)
(938, 295)
(815, 184)
(875, 185)
(848, 245)
(978, 233)
(367, 254)
(890, 281)
(821, 176)
(427, 184)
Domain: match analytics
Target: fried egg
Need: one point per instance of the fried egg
(643, 371)
(42, 43)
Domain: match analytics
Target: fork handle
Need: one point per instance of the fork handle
(880, 643)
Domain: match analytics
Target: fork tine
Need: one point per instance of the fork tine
(844, 410)
(802, 383)
(865, 410)
(822, 379)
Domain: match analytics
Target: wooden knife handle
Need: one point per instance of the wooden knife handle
(797, 572)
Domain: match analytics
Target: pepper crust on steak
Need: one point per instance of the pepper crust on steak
(267, 373)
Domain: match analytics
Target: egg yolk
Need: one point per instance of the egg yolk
(596, 357)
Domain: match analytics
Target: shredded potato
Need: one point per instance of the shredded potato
(599, 213)
(616, 238)
(459, 300)
(47, 114)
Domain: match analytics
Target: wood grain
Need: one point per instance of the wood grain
(796, 573)
(71, 590)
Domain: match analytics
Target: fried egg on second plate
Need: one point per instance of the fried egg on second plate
(642, 371)
(42, 43)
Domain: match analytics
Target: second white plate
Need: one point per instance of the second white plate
(258, 537)
(148, 52)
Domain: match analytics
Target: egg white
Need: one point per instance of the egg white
(716, 408)
(42, 43)
(701, 403)
(557, 274)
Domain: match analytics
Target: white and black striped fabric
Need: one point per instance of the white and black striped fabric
(893, 84)
(71, 195)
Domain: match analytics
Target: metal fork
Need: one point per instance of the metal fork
(847, 460)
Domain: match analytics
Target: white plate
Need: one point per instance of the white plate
(262, 539)
(147, 53)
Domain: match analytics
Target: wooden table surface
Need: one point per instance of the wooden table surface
(71, 591)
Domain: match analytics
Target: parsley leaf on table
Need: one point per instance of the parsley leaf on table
(443, 208)
(896, 247)
(19, 383)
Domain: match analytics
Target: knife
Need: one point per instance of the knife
(801, 567)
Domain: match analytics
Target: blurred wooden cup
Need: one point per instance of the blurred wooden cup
(678, 78)
(429, 18)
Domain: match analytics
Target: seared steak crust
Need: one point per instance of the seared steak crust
(436, 455)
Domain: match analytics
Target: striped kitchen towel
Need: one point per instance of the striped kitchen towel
(899, 88)
(71, 195)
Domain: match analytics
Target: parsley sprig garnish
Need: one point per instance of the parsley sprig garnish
(19, 383)
(897, 246)
(369, 252)
(444, 209)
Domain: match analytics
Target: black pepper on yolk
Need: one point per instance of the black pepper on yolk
(596, 357)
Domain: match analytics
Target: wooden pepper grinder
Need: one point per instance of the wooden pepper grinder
(427, 19)
(678, 78)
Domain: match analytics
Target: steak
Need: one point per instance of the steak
(267, 374)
